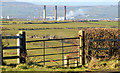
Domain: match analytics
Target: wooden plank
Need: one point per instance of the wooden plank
(53, 54)
(21, 52)
(66, 61)
(11, 47)
(11, 57)
(81, 48)
(10, 37)
(83, 54)
(1, 50)
(57, 60)
(18, 49)
(62, 52)
(51, 39)
(51, 47)
(44, 52)
(76, 63)
(60, 66)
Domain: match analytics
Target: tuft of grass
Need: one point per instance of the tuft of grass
(94, 65)
(104, 65)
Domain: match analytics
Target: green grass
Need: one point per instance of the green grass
(59, 33)
(96, 65)
(107, 23)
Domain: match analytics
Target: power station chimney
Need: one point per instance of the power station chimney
(44, 13)
(55, 12)
(64, 12)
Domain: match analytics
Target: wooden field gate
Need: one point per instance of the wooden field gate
(80, 60)
(22, 51)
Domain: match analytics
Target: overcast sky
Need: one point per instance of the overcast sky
(61, 0)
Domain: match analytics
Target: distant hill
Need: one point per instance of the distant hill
(28, 10)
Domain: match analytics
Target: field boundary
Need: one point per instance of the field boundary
(22, 51)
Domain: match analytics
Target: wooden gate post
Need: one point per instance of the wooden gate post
(81, 48)
(76, 62)
(21, 51)
(66, 61)
(1, 50)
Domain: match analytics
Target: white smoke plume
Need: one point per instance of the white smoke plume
(73, 14)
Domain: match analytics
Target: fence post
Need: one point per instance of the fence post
(76, 62)
(21, 52)
(44, 52)
(62, 54)
(81, 49)
(1, 51)
(66, 61)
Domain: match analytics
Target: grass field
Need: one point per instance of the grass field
(107, 23)
(70, 29)
(59, 30)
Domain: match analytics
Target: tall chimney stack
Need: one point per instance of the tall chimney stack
(64, 12)
(44, 13)
(55, 12)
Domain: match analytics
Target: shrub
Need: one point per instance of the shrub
(112, 47)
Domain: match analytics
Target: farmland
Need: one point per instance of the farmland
(70, 28)
(44, 29)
